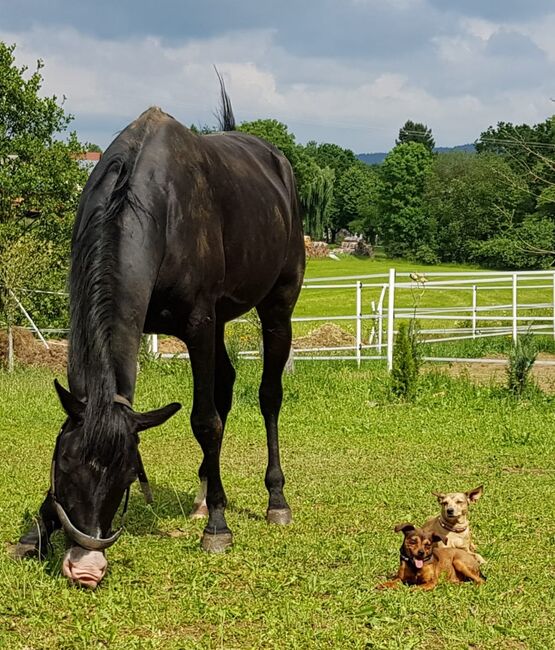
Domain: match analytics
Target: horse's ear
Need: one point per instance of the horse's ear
(157, 417)
(71, 405)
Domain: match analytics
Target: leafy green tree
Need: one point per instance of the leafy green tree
(276, 133)
(416, 132)
(340, 161)
(474, 207)
(358, 192)
(40, 183)
(403, 223)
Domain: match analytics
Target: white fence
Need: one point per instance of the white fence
(470, 305)
(380, 300)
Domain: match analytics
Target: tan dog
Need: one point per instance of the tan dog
(452, 522)
(423, 562)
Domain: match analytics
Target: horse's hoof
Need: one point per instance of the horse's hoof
(199, 511)
(21, 551)
(216, 543)
(280, 516)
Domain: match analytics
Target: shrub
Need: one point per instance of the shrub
(522, 356)
(406, 362)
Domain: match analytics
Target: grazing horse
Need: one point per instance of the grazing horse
(176, 233)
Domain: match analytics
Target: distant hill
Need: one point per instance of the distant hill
(377, 158)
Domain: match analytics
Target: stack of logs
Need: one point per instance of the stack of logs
(315, 248)
(356, 246)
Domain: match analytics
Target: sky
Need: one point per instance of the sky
(344, 71)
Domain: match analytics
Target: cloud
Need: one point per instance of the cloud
(502, 10)
(350, 72)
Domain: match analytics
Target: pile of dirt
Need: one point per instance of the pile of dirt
(315, 249)
(325, 336)
(29, 351)
(170, 345)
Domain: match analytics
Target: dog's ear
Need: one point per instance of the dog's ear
(404, 528)
(436, 537)
(475, 494)
(439, 496)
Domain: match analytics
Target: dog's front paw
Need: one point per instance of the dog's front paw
(390, 584)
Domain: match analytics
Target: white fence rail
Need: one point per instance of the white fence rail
(472, 305)
(384, 299)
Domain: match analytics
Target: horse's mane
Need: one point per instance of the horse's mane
(93, 265)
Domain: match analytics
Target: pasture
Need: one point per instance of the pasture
(356, 464)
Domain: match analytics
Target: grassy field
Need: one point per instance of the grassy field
(356, 465)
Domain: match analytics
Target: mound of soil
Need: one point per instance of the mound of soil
(170, 345)
(29, 351)
(327, 335)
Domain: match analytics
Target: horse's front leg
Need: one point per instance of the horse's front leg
(35, 542)
(223, 394)
(207, 426)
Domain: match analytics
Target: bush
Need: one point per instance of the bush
(522, 357)
(406, 362)
(527, 247)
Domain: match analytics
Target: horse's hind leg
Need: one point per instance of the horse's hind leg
(223, 392)
(275, 317)
(34, 543)
(207, 424)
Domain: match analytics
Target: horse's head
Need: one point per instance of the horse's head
(87, 487)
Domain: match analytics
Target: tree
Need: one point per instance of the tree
(403, 223)
(358, 192)
(340, 161)
(40, 182)
(470, 199)
(416, 132)
(277, 134)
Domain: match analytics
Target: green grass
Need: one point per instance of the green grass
(356, 464)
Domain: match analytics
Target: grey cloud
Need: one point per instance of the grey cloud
(500, 10)
(339, 28)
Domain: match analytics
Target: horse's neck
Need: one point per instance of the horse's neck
(110, 374)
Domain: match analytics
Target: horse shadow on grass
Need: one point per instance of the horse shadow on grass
(167, 516)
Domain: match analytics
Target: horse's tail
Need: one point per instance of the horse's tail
(225, 116)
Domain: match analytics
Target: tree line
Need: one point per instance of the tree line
(495, 208)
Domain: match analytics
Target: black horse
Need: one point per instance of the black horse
(176, 233)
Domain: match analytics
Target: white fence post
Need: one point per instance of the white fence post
(359, 323)
(33, 326)
(152, 344)
(515, 307)
(474, 305)
(380, 318)
(390, 319)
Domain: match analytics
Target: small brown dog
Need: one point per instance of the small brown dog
(423, 562)
(453, 522)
